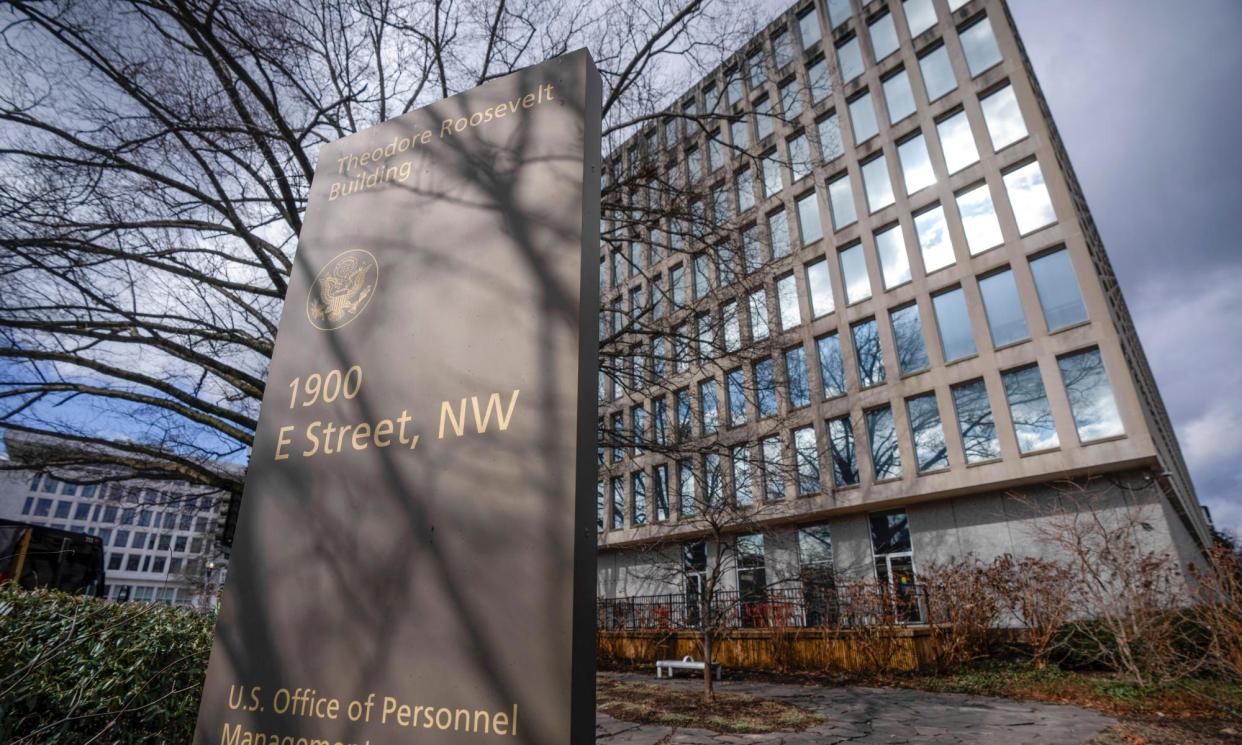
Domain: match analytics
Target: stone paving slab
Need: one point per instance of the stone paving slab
(871, 716)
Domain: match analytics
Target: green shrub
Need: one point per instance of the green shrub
(73, 668)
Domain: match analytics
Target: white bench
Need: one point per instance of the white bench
(685, 663)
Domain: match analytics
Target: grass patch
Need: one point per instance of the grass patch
(646, 703)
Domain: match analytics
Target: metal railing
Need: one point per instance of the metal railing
(809, 607)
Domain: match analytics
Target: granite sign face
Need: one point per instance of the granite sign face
(414, 560)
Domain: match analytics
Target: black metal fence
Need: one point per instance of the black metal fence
(862, 604)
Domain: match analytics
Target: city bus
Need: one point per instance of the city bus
(39, 557)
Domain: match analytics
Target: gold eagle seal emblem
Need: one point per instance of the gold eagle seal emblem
(342, 290)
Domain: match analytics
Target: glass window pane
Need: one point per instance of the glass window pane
(735, 389)
(920, 15)
(618, 504)
(713, 480)
(1028, 195)
(1058, 290)
(773, 468)
(795, 371)
(763, 117)
(821, 288)
(952, 319)
(841, 445)
(908, 334)
(958, 142)
(759, 315)
(916, 165)
(814, 545)
(839, 11)
(974, 417)
(1003, 308)
(740, 131)
(934, 241)
(778, 227)
(807, 455)
(890, 532)
(862, 116)
(661, 492)
(782, 49)
(830, 138)
(787, 299)
(765, 388)
(708, 413)
(808, 25)
(1003, 117)
(980, 47)
(878, 185)
(799, 157)
(831, 367)
(983, 230)
(791, 104)
(882, 436)
(640, 498)
(894, 262)
(808, 218)
(745, 190)
(818, 80)
(869, 353)
(732, 327)
(938, 75)
(899, 97)
(883, 36)
(1029, 409)
(854, 271)
(849, 59)
(841, 194)
(929, 446)
(742, 491)
(1090, 396)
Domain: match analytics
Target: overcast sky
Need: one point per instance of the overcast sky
(1146, 96)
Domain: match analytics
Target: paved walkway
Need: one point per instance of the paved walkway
(869, 716)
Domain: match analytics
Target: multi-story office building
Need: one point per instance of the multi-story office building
(946, 352)
(159, 536)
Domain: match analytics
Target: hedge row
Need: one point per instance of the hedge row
(76, 670)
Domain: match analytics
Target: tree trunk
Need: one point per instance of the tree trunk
(709, 693)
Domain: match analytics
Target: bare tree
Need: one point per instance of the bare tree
(155, 159)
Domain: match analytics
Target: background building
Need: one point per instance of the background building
(160, 537)
(926, 355)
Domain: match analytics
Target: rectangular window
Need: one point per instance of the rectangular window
(618, 504)
(791, 105)
(639, 482)
(82, 511)
(709, 417)
(894, 261)
(937, 71)
(808, 25)
(681, 347)
(685, 415)
(957, 340)
(773, 468)
(661, 421)
(685, 487)
(799, 157)
(898, 96)
(660, 492)
(883, 36)
(849, 59)
(839, 11)
(706, 335)
(752, 582)
(979, 46)
(878, 186)
(778, 228)
(1003, 308)
(735, 389)
(795, 372)
(1028, 195)
(618, 436)
(713, 483)
(854, 273)
(787, 300)
(739, 133)
(639, 417)
(934, 241)
(732, 327)
(957, 142)
(763, 117)
(745, 186)
(771, 174)
(677, 279)
(862, 117)
(752, 250)
(715, 151)
(1090, 395)
(694, 164)
(882, 437)
(807, 454)
(742, 492)
(657, 298)
(1057, 287)
(841, 195)
(841, 446)
(132, 563)
(929, 445)
(782, 49)
(908, 333)
(830, 144)
(1029, 409)
(818, 80)
(983, 230)
(754, 65)
(1003, 117)
(43, 507)
(831, 365)
(820, 285)
(808, 218)
(28, 505)
(974, 418)
(920, 15)
(62, 509)
(702, 276)
(869, 353)
(765, 388)
(758, 302)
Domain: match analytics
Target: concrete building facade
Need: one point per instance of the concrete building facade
(947, 365)
(160, 537)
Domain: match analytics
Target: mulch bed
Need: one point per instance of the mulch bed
(645, 703)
